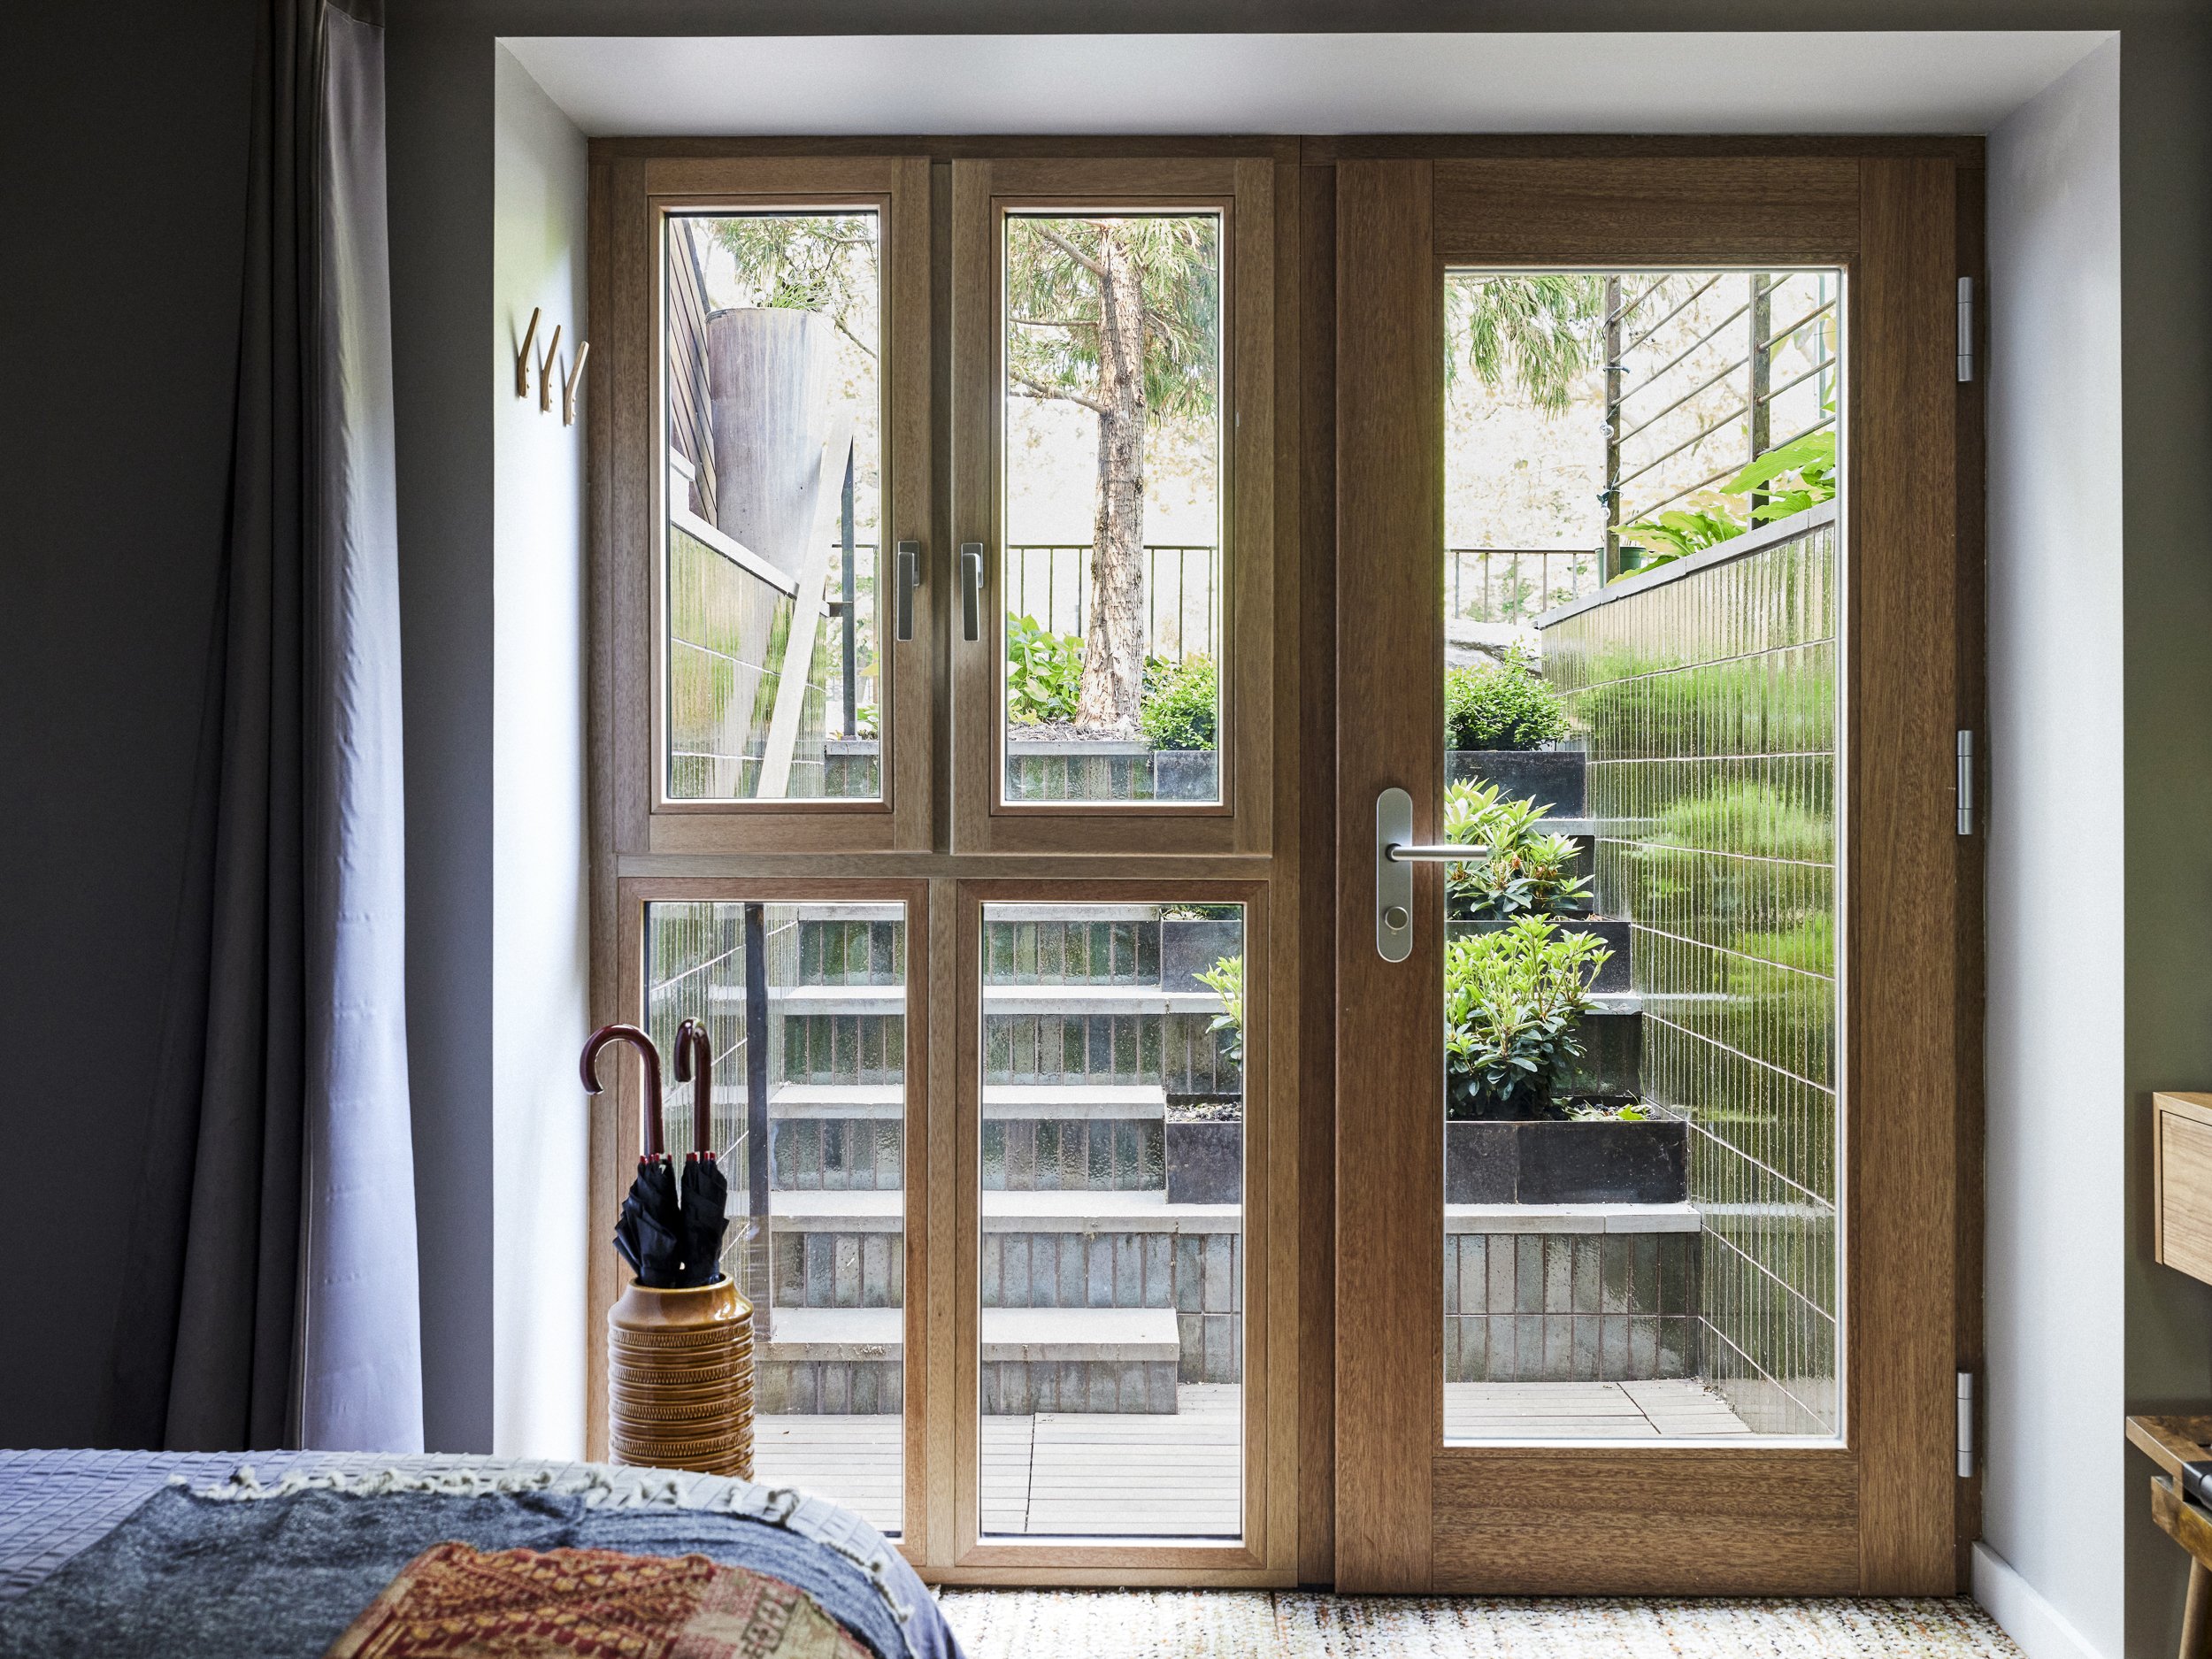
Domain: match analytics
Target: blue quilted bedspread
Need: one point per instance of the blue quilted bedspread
(99, 1555)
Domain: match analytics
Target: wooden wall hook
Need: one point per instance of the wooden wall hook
(522, 355)
(568, 387)
(545, 371)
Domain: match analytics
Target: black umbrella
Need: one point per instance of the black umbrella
(706, 1190)
(648, 1234)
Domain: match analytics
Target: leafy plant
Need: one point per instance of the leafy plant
(1180, 703)
(1225, 981)
(1502, 705)
(1811, 459)
(1044, 671)
(1526, 872)
(1544, 331)
(1792, 477)
(1512, 999)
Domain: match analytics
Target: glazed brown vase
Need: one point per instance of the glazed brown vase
(680, 1380)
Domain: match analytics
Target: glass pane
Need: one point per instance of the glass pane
(775, 427)
(1112, 567)
(1112, 1260)
(1640, 1130)
(806, 1006)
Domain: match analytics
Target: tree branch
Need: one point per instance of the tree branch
(1055, 322)
(1068, 248)
(1028, 388)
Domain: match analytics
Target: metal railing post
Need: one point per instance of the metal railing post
(850, 613)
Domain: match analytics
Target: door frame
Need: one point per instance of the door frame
(1881, 1513)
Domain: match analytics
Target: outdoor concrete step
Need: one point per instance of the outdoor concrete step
(1108, 1335)
(1020, 1212)
(1079, 998)
(1568, 1218)
(1013, 1101)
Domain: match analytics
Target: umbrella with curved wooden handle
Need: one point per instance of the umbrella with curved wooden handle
(706, 1190)
(649, 1232)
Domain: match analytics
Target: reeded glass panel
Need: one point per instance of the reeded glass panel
(806, 1007)
(1112, 1252)
(1112, 569)
(1642, 582)
(774, 403)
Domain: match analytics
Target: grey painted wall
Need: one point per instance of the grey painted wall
(2052, 1504)
(122, 225)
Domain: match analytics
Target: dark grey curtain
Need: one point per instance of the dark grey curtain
(272, 1297)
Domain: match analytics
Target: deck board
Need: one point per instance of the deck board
(1077, 1474)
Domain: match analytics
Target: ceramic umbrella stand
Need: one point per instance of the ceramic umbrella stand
(680, 1379)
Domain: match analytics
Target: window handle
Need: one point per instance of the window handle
(971, 590)
(909, 577)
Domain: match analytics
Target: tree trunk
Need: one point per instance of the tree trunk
(1114, 642)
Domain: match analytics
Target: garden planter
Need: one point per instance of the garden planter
(1551, 777)
(1189, 948)
(1205, 1163)
(1603, 1162)
(1186, 774)
(1612, 934)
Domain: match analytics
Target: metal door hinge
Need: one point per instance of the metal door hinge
(1966, 1426)
(1966, 783)
(1966, 329)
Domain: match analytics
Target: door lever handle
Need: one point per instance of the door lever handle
(909, 577)
(971, 590)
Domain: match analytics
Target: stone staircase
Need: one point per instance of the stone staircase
(1099, 1294)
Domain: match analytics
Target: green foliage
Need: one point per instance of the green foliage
(1225, 981)
(1802, 474)
(1731, 863)
(1179, 708)
(1591, 1112)
(1512, 999)
(1542, 332)
(1526, 872)
(809, 261)
(1044, 671)
(1053, 302)
(1793, 477)
(1504, 706)
(1749, 818)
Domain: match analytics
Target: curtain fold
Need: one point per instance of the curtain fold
(274, 1296)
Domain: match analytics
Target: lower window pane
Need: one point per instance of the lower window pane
(806, 1005)
(1112, 1249)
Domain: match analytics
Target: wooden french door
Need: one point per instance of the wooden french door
(1863, 1494)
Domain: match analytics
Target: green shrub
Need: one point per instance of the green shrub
(1044, 672)
(1179, 708)
(1501, 706)
(1225, 981)
(1512, 999)
(1524, 873)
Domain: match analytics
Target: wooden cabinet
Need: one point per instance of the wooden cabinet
(2182, 1162)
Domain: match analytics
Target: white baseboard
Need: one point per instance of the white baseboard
(2019, 1609)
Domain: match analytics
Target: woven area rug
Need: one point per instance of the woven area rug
(1261, 1625)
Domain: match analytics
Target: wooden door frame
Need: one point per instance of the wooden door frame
(1881, 1513)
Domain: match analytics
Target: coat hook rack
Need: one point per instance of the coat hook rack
(545, 371)
(568, 387)
(522, 355)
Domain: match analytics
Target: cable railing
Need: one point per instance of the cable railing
(1050, 583)
(1515, 584)
(1704, 349)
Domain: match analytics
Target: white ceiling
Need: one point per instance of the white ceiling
(1946, 81)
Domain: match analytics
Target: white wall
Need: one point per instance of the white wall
(540, 954)
(2054, 1500)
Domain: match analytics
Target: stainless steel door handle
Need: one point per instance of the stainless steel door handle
(971, 590)
(908, 576)
(1395, 854)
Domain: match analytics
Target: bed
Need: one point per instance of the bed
(186, 1554)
